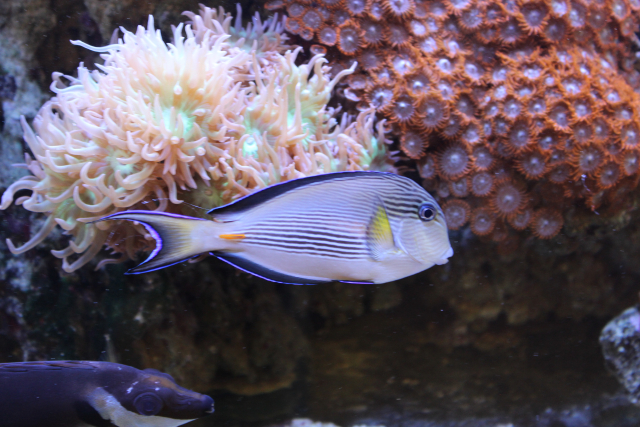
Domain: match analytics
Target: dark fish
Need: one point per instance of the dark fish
(99, 394)
(369, 227)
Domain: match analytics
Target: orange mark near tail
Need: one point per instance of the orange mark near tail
(232, 236)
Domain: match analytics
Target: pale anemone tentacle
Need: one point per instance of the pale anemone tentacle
(26, 183)
(36, 239)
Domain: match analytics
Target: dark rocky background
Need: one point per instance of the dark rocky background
(493, 338)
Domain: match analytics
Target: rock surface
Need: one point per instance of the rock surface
(22, 29)
(620, 341)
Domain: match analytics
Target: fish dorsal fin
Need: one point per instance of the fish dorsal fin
(231, 211)
(379, 234)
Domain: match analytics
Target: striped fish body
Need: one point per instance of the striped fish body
(349, 226)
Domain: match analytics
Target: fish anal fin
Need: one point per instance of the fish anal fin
(263, 272)
(379, 234)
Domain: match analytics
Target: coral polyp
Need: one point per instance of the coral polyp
(546, 223)
(482, 184)
(453, 161)
(221, 111)
(530, 92)
(507, 199)
(457, 213)
(482, 221)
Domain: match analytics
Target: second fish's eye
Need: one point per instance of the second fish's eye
(148, 404)
(427, 212)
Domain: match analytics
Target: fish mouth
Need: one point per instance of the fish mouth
(449, 253)
(445, 257)
(210, 405)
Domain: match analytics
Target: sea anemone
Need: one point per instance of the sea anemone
(265, 40)
(158, 121)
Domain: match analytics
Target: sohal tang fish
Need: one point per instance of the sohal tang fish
(370, 227)
(100, 394)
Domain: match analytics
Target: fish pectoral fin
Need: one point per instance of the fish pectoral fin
(380, 235)
(263, 272)
(407, 243)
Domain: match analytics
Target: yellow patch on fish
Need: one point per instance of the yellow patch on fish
(379, 234)
(232, 236)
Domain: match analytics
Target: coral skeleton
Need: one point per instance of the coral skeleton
(541, 94)
(220, 112)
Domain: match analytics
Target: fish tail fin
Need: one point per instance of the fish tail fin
(178, 237)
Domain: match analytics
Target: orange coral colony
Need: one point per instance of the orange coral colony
(521, 108)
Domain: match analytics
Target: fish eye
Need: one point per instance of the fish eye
(148, 404)
(427, 212)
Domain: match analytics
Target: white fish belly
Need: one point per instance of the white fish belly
(310, 266)
(327, 268)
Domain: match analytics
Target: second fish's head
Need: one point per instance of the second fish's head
(423, 232)
(155, 396)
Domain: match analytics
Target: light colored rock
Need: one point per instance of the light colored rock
(23, 25)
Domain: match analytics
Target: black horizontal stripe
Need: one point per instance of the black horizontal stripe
(406, 184)
(310, 227)
(349, 206)
(315, 252)
(402, 207)
(307, 247)
(308, 234)
(402, 213)
(331, 246)
(315, 219)
(356, 230)
(299, 241)
(406, 199)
